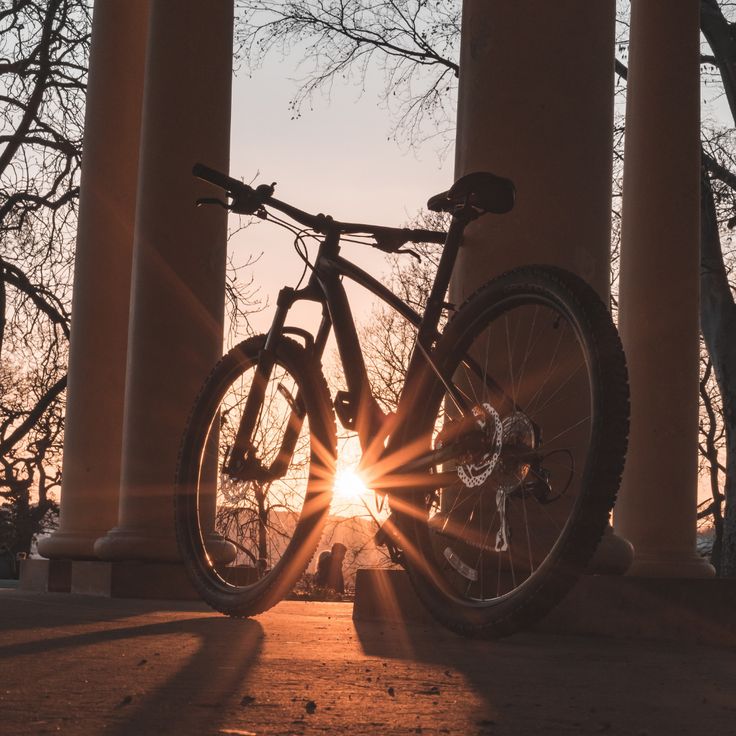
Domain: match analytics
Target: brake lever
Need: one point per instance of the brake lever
(410, 252)
(212, 200)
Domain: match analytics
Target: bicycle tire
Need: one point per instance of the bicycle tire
(298, 503)
(448, 589)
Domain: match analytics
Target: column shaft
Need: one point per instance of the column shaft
(94, 415)
(659, 288)
(536, 105)
(177, 296)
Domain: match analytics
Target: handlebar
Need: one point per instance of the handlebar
(249, 201)
(215, 177)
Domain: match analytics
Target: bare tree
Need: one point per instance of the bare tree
(718, 308)
(413, 44)
(711, 447)
(43, 60)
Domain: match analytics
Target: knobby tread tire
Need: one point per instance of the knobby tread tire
(531, 601)
(275, 586)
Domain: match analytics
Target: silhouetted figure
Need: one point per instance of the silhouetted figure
(329, 568)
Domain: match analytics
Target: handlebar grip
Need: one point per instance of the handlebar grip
(427, 236)
(217, 178)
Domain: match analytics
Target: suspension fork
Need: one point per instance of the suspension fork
(241, 461)
(298, 409)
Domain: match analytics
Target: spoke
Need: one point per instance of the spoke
(530, 403)
(498, 579)
(529, 347)
(485, 365)
(551, 518)
(511, 562)
(562, 433)
(533, 411)
(469, 380)
(510, 359)
(526, 527)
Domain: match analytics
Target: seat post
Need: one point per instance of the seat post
(436, 299)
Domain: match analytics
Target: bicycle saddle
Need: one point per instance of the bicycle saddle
(482, 190)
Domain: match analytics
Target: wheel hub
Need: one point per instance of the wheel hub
(500, 448)
(476, 472)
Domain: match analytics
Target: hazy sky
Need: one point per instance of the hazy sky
(336, 159)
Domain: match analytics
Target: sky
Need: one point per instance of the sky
(336, 159)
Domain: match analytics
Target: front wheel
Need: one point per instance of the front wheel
(247, 531)
(539, 423)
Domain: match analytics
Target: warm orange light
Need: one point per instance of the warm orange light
(349, 486)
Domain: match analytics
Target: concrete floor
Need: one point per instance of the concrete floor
(82, 665)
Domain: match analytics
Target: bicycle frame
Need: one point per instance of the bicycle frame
(368, 420)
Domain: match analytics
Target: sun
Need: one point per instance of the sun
(349, 486)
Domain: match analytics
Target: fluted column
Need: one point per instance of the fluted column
(99, 333)
(177, 295)
(535, 104)
(659, 300)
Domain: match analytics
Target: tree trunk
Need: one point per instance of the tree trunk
(718, 322)
(718, 311)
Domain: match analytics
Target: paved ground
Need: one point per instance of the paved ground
(80, 665)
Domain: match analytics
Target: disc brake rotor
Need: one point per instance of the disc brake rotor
(504, 459)
(476, 473)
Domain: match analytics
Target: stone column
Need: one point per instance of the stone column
(535, 104)
(94, 415)
(660, 263)
(177, 295)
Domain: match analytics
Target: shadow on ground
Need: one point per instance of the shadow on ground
(541, 683)
(120, 665)
(77, 665)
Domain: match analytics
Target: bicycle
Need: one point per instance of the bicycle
(500, 465)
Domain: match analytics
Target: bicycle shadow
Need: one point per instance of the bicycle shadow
(166, 694)
(195, 699)
(540, 683)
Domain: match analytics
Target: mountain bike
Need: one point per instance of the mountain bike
(500, 465)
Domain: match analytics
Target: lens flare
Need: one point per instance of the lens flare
(349, 486)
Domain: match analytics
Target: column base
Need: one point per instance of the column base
(695, 611)
(150, 580)
(45, 576)
(148, 545)
(670, 566)
(70, 545)
(153, 580)
(614, 555)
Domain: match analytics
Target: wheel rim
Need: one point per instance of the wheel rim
(490, 537)
(259, 523)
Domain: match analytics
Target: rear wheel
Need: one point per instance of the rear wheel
(539, 451)
(247, 533)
